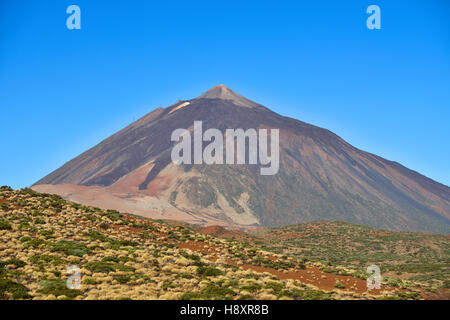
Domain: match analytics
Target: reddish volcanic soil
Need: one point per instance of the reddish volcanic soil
(9, 203)
(311, 275)
(221, 232)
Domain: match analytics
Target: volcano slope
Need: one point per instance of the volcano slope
(121, 256)
(321, 177)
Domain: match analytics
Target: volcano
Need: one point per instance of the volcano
(320, 177)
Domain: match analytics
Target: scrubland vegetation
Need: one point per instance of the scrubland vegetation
(121, 256)
(406, 259)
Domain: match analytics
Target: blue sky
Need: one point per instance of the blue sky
(384, 91)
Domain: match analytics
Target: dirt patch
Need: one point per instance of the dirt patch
(221, 232)
(316, 277)
(202, 247)
(441, 294)
(9, 203)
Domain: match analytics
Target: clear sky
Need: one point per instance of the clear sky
(384, 91)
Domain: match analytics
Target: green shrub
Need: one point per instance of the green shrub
(58, 287)
(25, 239)
(122, 279)
(35, 243)
(70, 248)
(275, 286)
(310, 294)
(446, 284)
(190, 256)
(209, 271)
(112, 214)
(57, 273)
(44, 259)
(89, 281)
(390, 298)
(167, 284)
(184, 275)
(253, 287)
(95, 235)
(294, 293)
(30, 192)
(46, 233)
(409, 295)
(111, 259)
(275, 264)
(191, 296)
(393, 282)
(26, 226)
(246, 297)
(39, 221)
(230, 266)
(213, 291)
(17, 290)
(16, 262)
(107, 267)
(127, 243)
(5, 225)
(104, 267)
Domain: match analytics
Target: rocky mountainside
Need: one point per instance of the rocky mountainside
(321, 177)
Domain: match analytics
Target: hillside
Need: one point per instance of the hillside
(419, 257)
(121, 256)
(320, 177)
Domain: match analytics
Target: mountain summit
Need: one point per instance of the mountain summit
(223, 92)
(320, 177)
